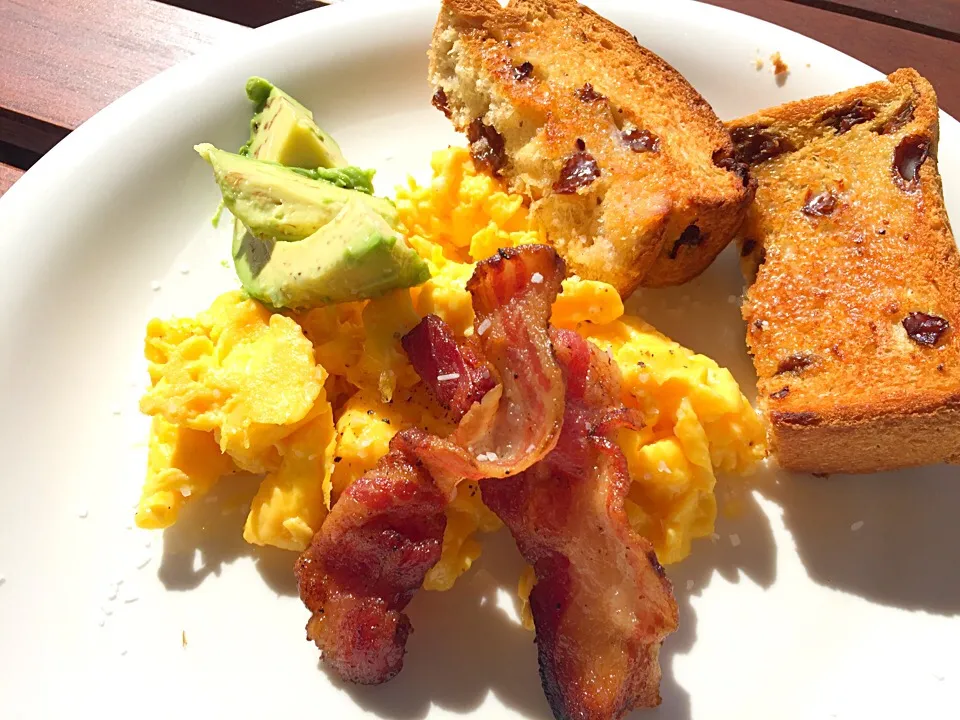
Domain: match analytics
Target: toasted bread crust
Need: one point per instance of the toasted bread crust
(554, 80)
(854, 313)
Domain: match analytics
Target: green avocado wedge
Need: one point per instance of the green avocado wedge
(357, 255)
(279, 203)
(283, 131)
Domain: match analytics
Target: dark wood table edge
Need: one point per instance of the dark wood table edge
(882, 18)
(28, 137)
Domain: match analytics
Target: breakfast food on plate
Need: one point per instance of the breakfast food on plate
(406, 375)
(630, 172)
(238, 388)
(852, 315)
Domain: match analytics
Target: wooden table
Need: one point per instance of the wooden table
(63, 60)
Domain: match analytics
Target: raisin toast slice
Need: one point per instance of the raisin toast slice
(853, 313)
(629, 169)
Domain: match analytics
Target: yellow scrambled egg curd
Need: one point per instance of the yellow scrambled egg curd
(697, 422)
(238, 370)
(238, 387)
(360, 342)
(468, 214)
(292, 501)
(182, 464)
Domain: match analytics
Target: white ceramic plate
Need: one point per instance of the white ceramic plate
(804, 619)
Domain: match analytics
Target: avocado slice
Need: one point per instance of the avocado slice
(279, 203)
(283, 131)
(357, 255)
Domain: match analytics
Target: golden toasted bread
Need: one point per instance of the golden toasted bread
(629, 169)
(853, 315)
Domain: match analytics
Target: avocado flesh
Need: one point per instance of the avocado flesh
(283, 131)
(282, 204)
(357, 255)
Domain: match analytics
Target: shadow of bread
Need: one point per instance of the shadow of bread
(887, 537)
(704, 316)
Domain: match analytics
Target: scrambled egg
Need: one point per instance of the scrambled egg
(465, 213)
(312, 399)
(181, 464)
(237, 370)
(237, 387)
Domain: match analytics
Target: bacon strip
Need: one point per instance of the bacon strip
(602, 604)
(457, 376)
(366, 562)
(386, 530)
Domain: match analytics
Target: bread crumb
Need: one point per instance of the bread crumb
(735, 540)
(183, 638)
(780, 68)
(856, 526)
(758, 63)
(689, 584)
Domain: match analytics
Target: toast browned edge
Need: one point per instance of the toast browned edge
(713, 216)
(912, 429)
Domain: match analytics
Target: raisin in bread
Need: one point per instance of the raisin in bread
(853, 313)
(629, 169)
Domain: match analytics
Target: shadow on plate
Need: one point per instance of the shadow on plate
(465, 646)
(704, 316)
(888, 537)
(908, 518)
(754, 557)
(209, 535)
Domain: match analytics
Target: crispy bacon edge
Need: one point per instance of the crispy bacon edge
(602, 604)
(385, 532)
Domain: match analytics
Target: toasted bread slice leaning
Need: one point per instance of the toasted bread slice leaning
(629, 169)
(853, 316)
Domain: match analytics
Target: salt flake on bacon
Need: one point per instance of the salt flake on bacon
(456, 374)
(386, 530)
(602, 604)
